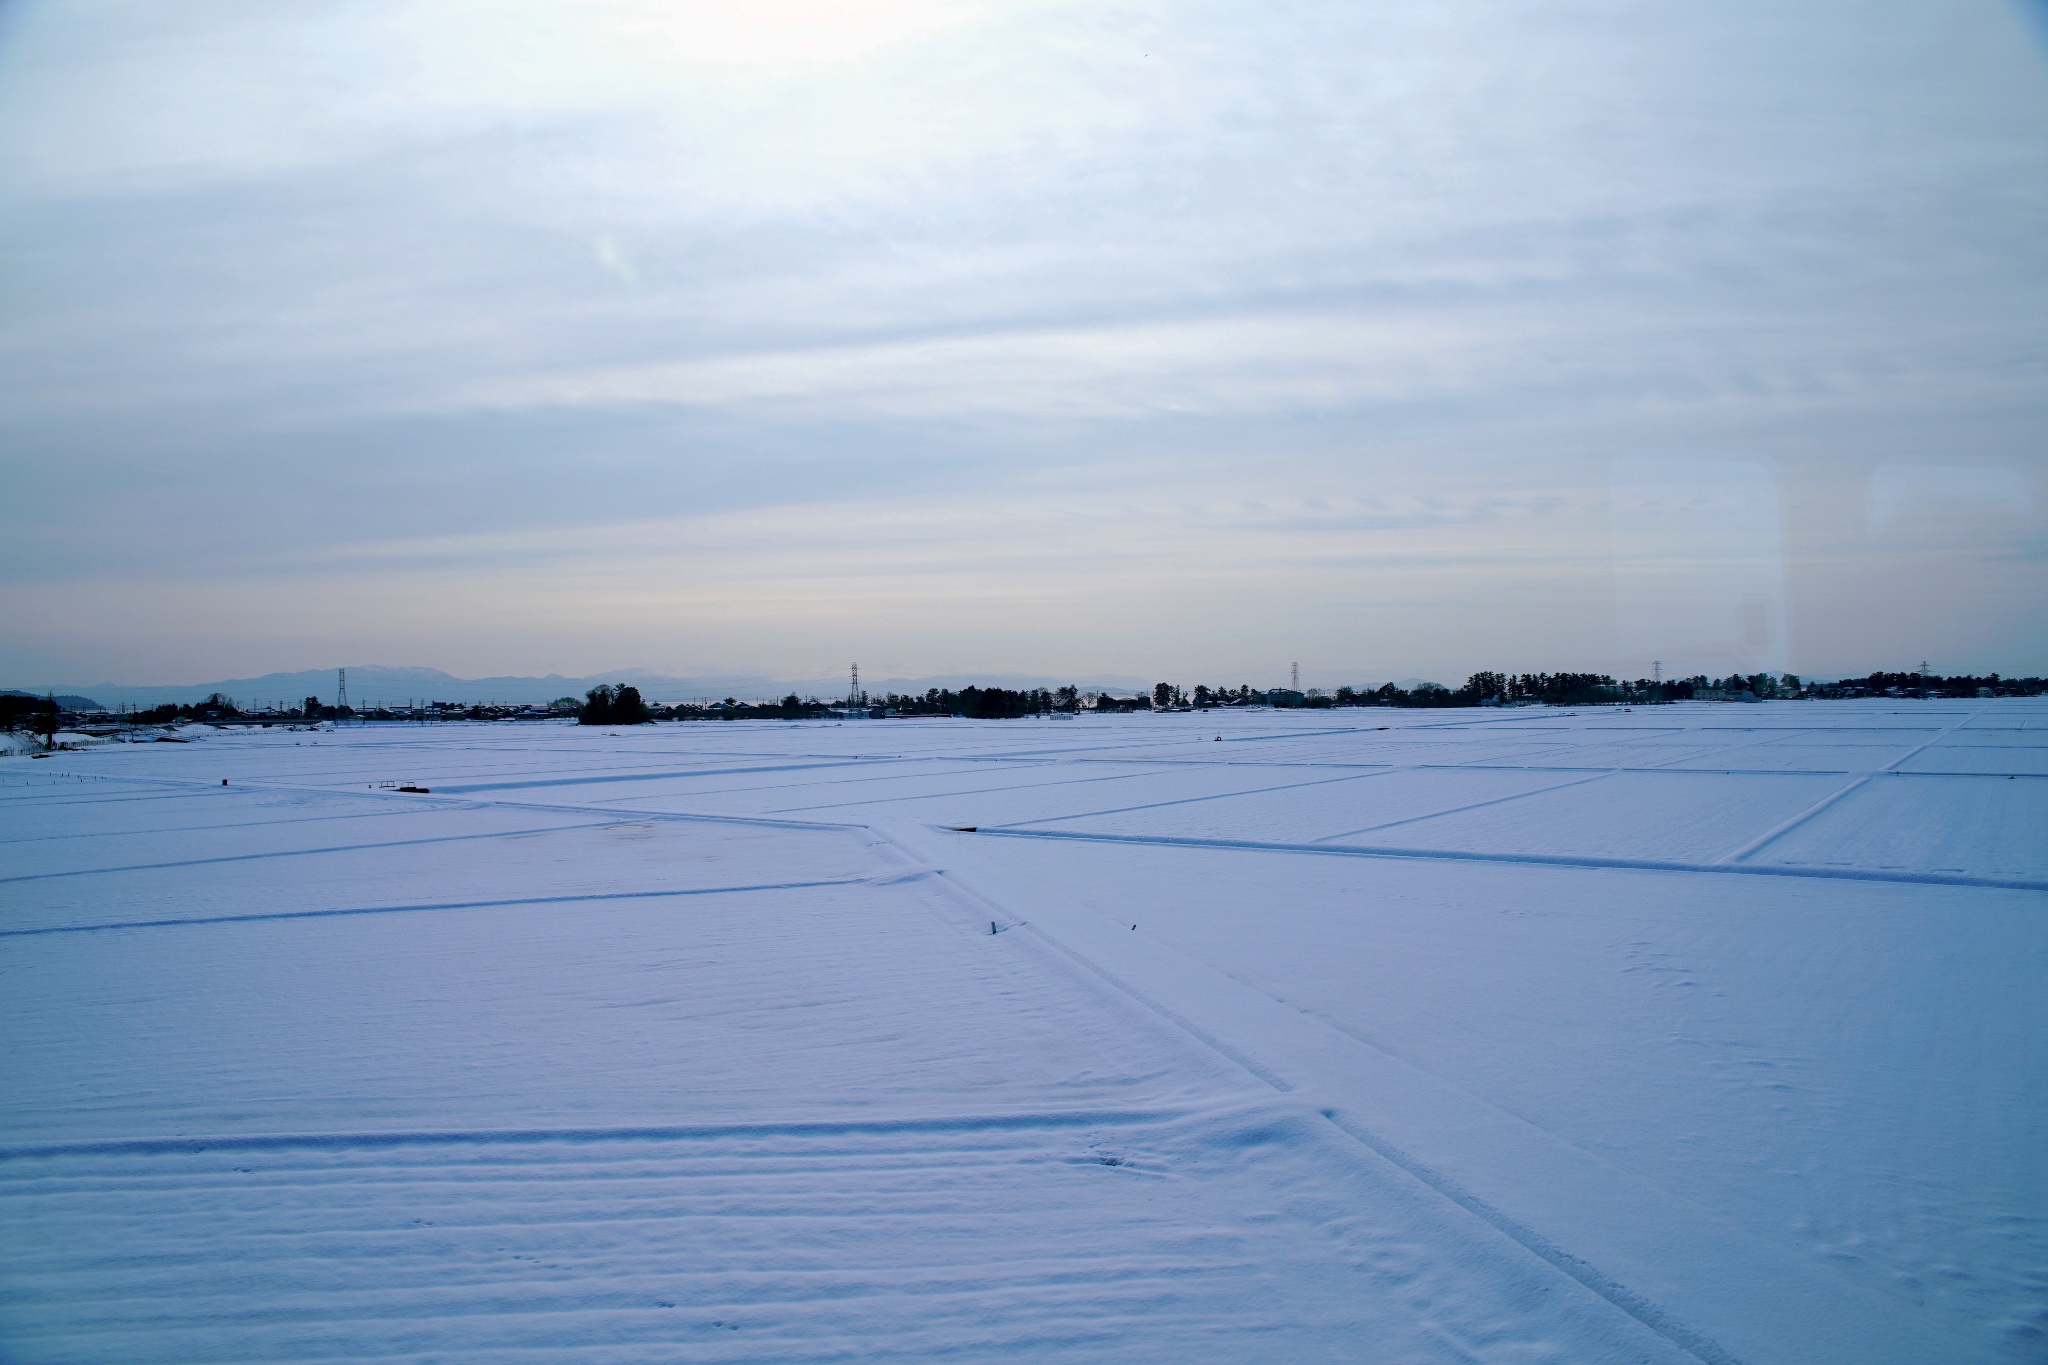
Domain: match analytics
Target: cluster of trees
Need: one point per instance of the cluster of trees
(981, 703)
(1583, 689)
(215, 707)
(561, 708)
(1481, 689)
(1507, 689)
(1930, 685)
(608, 705)
(1762, 686)
(623, 705)
(218, 707)
(224, 708)
(1579, 689)
(17, 711)
(40, 716)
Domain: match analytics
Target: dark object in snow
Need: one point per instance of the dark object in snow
(608, 705)
(223, 781)
(965, 829)
(991, 928)
(171, 739)
(421, 790)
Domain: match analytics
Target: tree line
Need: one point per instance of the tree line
(623, 705)
(605, 705)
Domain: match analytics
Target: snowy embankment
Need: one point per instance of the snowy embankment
(1695, 1033)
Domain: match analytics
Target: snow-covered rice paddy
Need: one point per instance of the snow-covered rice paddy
(1696, 1033)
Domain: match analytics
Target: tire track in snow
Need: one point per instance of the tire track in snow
(44, 803)
(1642, 1310)
(974, 791)
(461, 788)
(303, 852)
(1194, 800)
(1851, 874)
(1695, 1343)
(1784, 827)
(439, 905)
(200, 829)
(1460, 810)
(597, 815)
(1061, 1236)
(1015, 1121)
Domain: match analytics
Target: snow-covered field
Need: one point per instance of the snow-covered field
(1697, 1033)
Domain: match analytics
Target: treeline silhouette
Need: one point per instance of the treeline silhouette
(1930, 685)
(979, 703)
(1486, 688)
(607, 705)
(624, 705)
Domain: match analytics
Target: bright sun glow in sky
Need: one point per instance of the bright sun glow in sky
(1139, 336)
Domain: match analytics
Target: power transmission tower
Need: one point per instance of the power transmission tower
(1294, 676)
(341, 689)
(1656, 670)
(853, 694)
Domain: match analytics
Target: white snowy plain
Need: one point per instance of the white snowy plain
(1695, 1033)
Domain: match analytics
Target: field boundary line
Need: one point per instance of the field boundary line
(1626, 1301)
(1460, 810)
(1023, 1120)
(1852, 874)
(300, 852)
(112, 925)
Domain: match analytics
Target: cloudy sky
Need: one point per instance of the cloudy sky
(1158, 337)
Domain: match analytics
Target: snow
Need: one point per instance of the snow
(1686, 1033)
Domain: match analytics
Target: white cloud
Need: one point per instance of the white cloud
(400, 275)
(1106, 371)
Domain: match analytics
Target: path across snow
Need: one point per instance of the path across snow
(1695, 1033)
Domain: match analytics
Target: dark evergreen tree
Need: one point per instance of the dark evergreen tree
(16, 710)
(627, 708)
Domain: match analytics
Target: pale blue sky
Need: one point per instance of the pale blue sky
(1172, 339)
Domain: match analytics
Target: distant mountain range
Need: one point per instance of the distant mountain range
(371, 684)
(70, 701)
